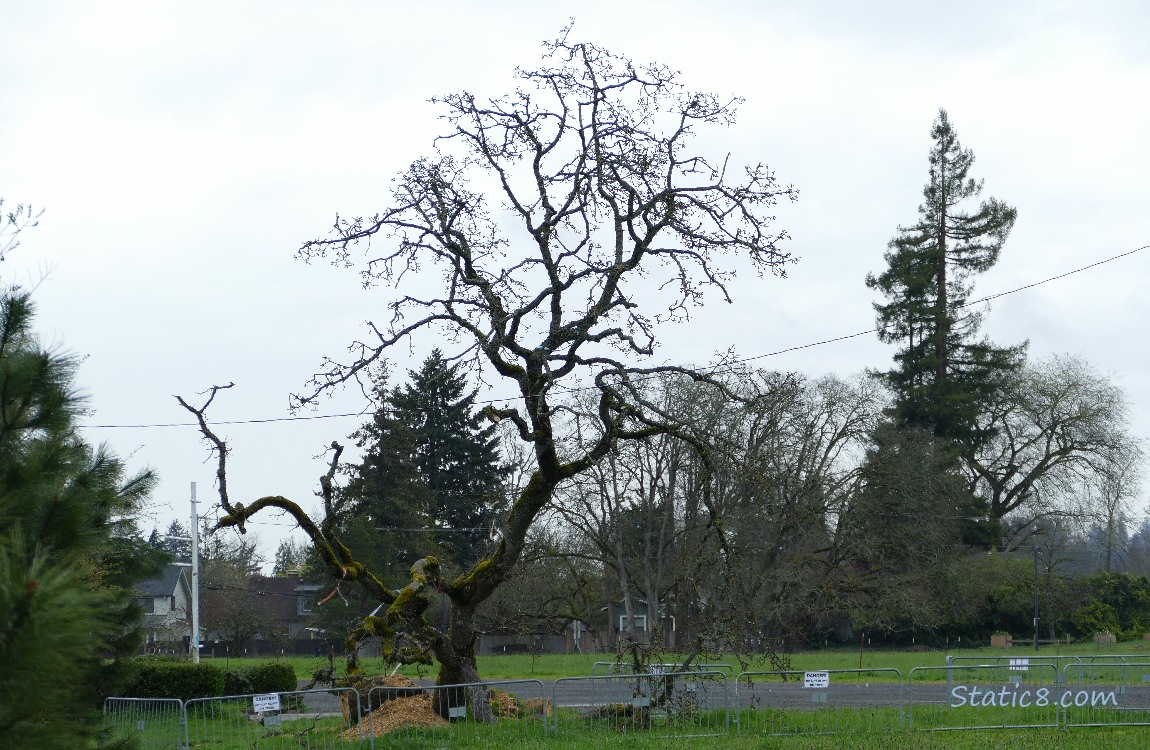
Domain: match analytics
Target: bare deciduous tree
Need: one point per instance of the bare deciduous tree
(592, 163)
(1056, 423)
(785, 466)
(1114, 487)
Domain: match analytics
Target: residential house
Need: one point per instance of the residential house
(284, 606)
(166, 601)
(290, 604)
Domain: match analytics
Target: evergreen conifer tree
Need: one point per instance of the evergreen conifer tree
(68, 551)
(431, 464)
(176, 541)
(942, 368)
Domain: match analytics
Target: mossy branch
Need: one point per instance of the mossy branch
(406, 635)
(338, 559)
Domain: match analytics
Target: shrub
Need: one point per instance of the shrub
(1095, 617)
(262, 678)
(166, 678)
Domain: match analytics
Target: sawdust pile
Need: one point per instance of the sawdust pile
(503, 704)
(533, 706)
(398, 713)
(417, 711)
(507, 706)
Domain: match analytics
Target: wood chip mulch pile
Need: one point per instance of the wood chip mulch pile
(533, 706)
(503, 704)
(415, 711)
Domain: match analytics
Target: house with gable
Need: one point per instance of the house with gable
(166, 601)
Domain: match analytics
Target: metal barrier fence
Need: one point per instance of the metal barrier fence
(983, 696)
(665, 704)
(1112, 658)
(313, 719)
(662, 705)
(601, 668)
(1015, 663)
(150, 722)
(1060, 661)
(821, 702)
(499, 714)
(986, 661)
(1106, 694)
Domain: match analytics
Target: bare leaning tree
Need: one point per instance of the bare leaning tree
(601, 202)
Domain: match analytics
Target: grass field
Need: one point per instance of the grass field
(324, 734)
(1101, 739)
(553, 666)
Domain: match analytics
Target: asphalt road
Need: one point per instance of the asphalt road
(707, 694)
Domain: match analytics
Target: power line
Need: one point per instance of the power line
(971, 303)
(299, 418)
(823, 342)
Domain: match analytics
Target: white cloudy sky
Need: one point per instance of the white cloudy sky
(184, 150)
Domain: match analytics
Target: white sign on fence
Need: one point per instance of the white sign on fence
(817, 680)
(263, 703)
(1020, 664)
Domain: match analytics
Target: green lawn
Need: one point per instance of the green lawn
(324, 734)
(1118, 739)
(553, 666)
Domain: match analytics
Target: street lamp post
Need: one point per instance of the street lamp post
(195, 580)
(1036, 597)
(194, 645)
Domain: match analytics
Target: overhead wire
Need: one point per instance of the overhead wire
(576, 389)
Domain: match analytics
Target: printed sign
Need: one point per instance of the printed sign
(817, 680)
(1020, 664)
(264, 703)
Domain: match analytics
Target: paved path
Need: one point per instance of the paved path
(604, 690)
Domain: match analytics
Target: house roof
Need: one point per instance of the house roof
(163, 584)
(282, 594)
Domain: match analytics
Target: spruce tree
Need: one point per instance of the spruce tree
(431, 472)
(176, 541)
(943, 369)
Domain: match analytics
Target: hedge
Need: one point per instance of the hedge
(170, 678)
(163, 678)
(262, 678)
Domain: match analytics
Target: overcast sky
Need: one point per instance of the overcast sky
(184, 150)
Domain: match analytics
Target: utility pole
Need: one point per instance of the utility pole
(1036, 597)
(195, 579)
